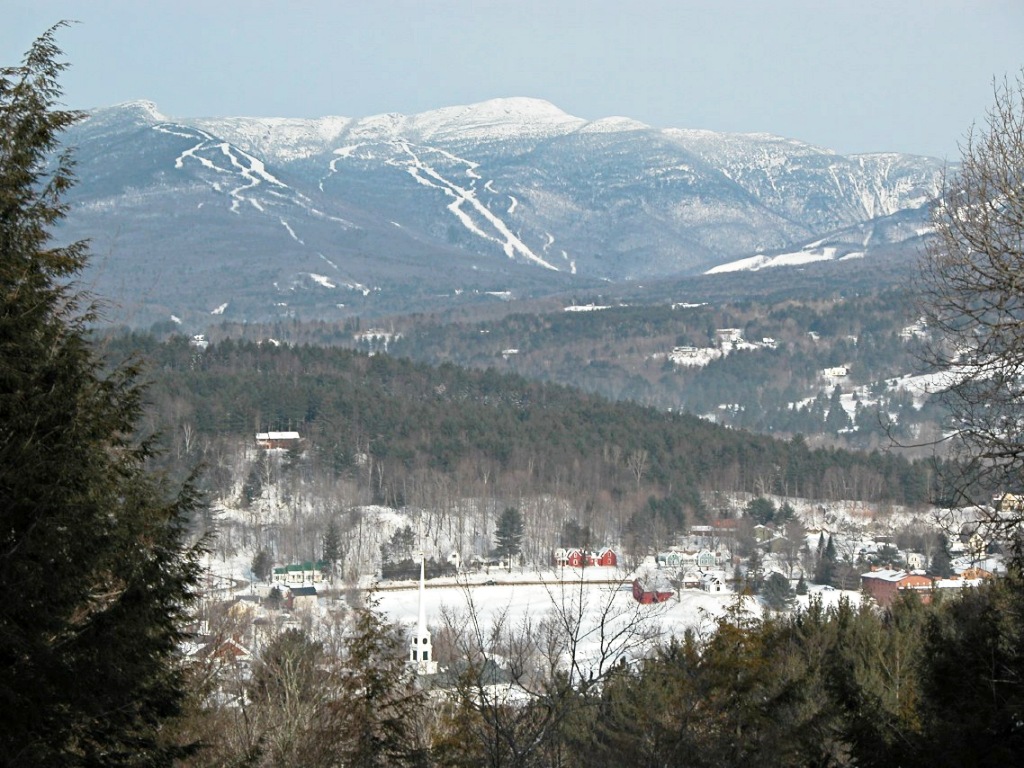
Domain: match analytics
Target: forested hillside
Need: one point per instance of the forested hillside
(757, 364)
(402, 430)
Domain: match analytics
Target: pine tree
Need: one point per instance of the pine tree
(93, 570)
(777, 593)
(837, 418)
(332, 551)
(760, 510)
(508, 536)
(262, 563)
(825, 572)
(377, 713)
(942, 563)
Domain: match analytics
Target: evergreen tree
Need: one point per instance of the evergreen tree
(508, 536)
(262, 563)
(332, 545)
(93, 569)
(575, 535)
(978, 641)
(252, 488)
(837, 418)
(825, 572)
(400, 547)
(785, 513)
(777, 593)
(760, 510)
(380, 701)
(755, 575)
(942, 563)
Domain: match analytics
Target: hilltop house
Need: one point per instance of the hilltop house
(277, 439)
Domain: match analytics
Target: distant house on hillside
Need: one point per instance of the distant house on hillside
(837, 372)
(728, 336)
(277, 439)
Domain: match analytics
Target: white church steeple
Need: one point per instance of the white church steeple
(421, 652)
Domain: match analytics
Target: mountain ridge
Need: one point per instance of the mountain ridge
(507, 195)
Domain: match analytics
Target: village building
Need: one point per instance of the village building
(575, 557)
(301, 573)
(713, 582)
(421, 650)
(684, 559)
(691, 578)
(302, 599)
(1008, 502)
(885, 584)
(916, 561)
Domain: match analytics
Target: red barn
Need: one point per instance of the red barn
(652, 587)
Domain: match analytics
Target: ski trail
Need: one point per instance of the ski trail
(426, 175)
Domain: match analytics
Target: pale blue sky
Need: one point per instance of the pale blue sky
(851, 75)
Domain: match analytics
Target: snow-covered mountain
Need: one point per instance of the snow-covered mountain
(276, 216)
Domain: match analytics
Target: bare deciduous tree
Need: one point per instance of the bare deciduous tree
(972, 296)
(637, 461)
(519, 681)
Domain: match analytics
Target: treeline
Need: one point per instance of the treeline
(398, 425)
(913, 685)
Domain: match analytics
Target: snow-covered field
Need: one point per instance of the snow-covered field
(517, 597)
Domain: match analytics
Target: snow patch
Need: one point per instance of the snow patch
(322, 280)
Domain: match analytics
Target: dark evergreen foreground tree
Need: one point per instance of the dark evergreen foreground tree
(93, 573)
